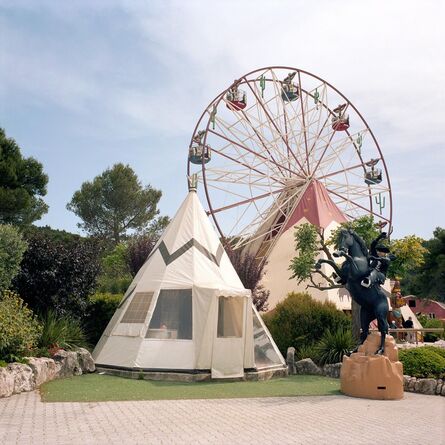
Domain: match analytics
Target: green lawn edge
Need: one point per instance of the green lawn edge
(106, 388)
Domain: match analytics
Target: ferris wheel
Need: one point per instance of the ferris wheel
(262, 141)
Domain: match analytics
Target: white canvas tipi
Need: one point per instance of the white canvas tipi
(187, 310)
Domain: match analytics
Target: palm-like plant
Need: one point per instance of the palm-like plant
(334, 345)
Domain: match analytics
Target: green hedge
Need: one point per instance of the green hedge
(300, 321)
(101, 308)
(19, 327)
(424, 362)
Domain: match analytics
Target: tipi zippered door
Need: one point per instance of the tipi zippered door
(228, 342)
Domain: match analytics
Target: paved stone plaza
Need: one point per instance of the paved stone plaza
(417, 419)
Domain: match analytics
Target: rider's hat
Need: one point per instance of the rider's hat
(382, 248)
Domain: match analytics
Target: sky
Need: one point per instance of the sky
(87, 84)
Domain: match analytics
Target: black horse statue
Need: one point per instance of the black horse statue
(372, 300)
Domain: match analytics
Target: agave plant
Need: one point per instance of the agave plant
(61, 332)
(334, 345)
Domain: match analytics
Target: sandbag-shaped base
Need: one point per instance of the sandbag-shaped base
(371, 376)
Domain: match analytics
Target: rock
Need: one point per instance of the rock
(426, 386)
(23, 377)
(85, 360)
(406, 379)
(365, 374)
(67, 363)
(439, 386)
(412, 384)
(440, 343)
(290, 360)
(332, 370)
(43, 368)
(307, 366)
(372, 343)
(442, 392)
(6, 382)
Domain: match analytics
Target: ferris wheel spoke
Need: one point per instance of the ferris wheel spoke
(246, 165)
(260, 102)
(260, 138)
(241, 143)
(340, 171)
(287, 122)
(337, 150)
(246, 136)
(322, 155)
(245, 201)
(281, 167)
(316, 139)
(303, 121)
(345, 199)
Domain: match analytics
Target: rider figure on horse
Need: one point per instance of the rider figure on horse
(380, 259)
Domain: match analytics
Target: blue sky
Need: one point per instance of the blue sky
(86, 84)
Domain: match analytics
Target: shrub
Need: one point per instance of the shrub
(58, 275)
(19, 328)
(61, 332)
(439, 351)
(138, 250)
(307, 351)
(334, 345)
(113, 285)
(12, 248)
(424, 362)
(431, 323)
(300, 320)
(101, 309)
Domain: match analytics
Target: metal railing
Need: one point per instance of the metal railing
(412, 333)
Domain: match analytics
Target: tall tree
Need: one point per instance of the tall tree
(12, 248)
(22, 184)
(114, 203)
(428, 280)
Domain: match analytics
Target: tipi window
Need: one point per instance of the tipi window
(230, 316)
(172, 317)
(138, 308)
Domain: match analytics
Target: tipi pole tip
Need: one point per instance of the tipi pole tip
(192, 182)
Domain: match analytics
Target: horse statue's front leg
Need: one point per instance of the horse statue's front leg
(338, 274)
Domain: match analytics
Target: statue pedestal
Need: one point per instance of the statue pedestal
(371, 376)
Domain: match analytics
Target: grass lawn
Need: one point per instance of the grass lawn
(101, 388)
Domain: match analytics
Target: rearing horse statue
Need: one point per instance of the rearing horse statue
(373, 302)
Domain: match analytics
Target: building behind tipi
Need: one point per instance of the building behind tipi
(186, 311)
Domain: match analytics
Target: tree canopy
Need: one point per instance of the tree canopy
(22, 185)
(12, 248)
(58, 275)
(428, 281)
(114, 203)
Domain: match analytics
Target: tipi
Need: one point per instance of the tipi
(186, 310)
(314, 206)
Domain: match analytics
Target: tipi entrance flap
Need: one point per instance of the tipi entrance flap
(229, 338)
(266, 352)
